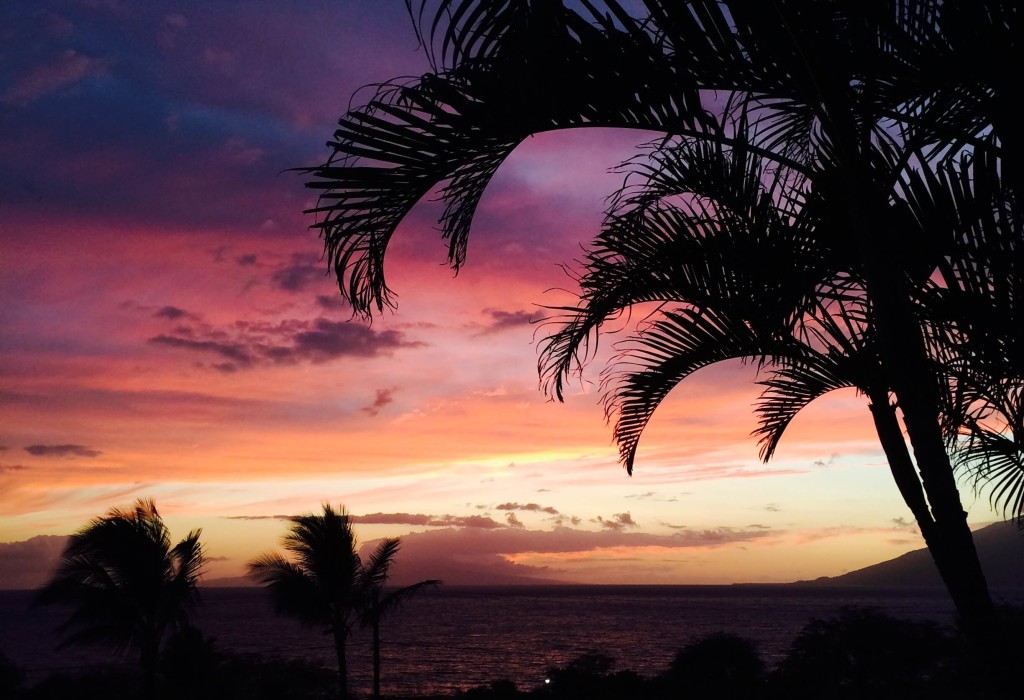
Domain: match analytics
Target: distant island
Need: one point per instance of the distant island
(1000, 548)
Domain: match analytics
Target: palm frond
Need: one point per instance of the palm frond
(452, 130)
(794, 384)
(653, 362)
(389, 602)
(293, 590)
(375, 572)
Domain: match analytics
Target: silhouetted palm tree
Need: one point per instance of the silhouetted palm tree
(327, 583)
(850, 96)
(128, 587)
(380, 602)
(704, 231)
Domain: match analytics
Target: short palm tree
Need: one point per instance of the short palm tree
(327, 583)
(127, 585)
(381, 602)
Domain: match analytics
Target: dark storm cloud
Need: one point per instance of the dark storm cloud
(62, 451)
(246, 260)
(530, 507)
(248, 344)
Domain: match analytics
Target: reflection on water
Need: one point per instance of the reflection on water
(456, 638)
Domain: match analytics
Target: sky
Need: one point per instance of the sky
(169, 330)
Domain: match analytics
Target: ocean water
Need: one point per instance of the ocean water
(456, 638)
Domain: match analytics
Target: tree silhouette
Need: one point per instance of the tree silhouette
(861, 100)
(328, 584)
(380, 603)
(128, 587)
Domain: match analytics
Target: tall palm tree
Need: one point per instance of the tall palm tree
(843, 93)
(328, 584)
(127, 585)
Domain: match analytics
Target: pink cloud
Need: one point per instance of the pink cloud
(67, 69)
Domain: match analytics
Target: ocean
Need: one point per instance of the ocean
(458, 637)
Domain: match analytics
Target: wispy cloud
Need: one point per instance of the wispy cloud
(479, 522)
(62, 451)
(382, 399)
(299, 275)
(500, 320)
(248, 344)
(528, 507)
(618, 522)
(66, 69)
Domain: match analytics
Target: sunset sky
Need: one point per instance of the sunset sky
(168, 330)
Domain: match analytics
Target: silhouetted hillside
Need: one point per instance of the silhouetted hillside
(1000, 548)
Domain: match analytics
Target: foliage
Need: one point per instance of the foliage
(126, 585)
(328, 585)
(890, 169)
(864, 653)
(721, 665)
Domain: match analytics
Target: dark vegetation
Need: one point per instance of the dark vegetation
(834, 196)
(860, 653)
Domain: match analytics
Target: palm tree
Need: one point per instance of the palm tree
(843, 94)
(380, 603)
(128, 587)
(328, 584)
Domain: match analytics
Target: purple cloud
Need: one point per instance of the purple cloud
(246, 344)
(382, 399)
(62, 451)
(503, 320)
(171, 312)
(298, 275)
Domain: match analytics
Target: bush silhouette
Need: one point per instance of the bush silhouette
(864, 653)
(720, 665)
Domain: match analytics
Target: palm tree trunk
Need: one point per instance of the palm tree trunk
(906, 359)
(148, 657)
(340, 641)
(376, 657)
(900, 464)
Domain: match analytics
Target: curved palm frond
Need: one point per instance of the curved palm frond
(452, 130)
(672, 348)
(994, 463)
(293, 591)
(794, 384)
(709, 225)
(375, 571)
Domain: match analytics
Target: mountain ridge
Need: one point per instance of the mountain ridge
(1000, 549)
